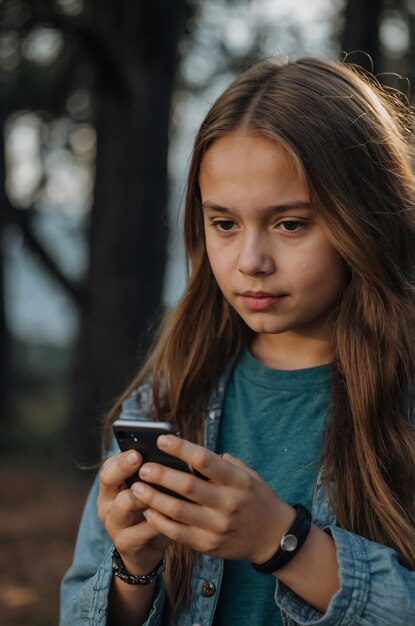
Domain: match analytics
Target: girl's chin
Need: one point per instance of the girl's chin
(265, 328)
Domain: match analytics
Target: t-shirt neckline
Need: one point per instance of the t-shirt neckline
(253, 369)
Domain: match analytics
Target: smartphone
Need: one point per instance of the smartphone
(141, 435)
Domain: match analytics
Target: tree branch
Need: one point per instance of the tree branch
(18, 217)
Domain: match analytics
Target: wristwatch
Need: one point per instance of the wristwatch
(290, 543)
(119, 570)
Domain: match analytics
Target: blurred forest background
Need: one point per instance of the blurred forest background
(99, 101)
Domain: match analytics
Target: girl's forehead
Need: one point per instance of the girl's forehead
(244, 139)
(249, 148)
(250, 173)
(246, 158)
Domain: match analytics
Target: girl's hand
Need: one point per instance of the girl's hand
(233, 515)
(140, 545)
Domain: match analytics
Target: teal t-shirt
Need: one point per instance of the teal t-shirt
(273, 420)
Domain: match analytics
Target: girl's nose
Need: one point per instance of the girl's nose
(254, 258)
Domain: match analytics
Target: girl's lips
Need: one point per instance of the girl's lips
(260, 301)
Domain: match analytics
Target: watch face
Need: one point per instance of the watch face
(289, 543)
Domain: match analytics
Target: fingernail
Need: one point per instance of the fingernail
(132, 457)
(138, 488)
(163, 442)
(144, 471)
(147, 514)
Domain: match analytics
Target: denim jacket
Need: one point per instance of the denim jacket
(375, 590)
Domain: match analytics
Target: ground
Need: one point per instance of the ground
(39, 516)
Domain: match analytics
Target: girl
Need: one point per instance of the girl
(287, 365)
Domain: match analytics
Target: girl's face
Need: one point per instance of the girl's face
(272, 261)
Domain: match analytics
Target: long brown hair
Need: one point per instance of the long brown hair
(352, 142)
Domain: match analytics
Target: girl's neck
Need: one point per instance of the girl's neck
(289, 351)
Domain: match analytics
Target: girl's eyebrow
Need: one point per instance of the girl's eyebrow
(271, 209)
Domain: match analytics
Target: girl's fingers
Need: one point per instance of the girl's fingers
(181, 533)
(208, 463)
(116, 470)
(134, 538)
(134, 535)
(180, 510)
(187, 485)
(126, 510)
(238, 463)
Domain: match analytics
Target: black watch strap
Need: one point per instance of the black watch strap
(290, 543)
(118, 569)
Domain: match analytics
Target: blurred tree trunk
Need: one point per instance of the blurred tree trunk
(129, 222)
(361, 33)
(5, 355)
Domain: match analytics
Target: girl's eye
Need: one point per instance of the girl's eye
(224, 226)
(291, 225)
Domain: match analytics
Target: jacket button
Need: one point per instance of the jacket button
(208, 589)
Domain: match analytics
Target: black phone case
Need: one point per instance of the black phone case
(143, 439)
